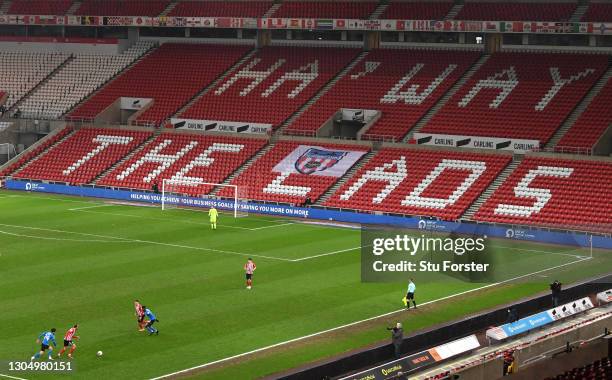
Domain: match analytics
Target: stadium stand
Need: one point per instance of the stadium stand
(213, 8)
(386, 80)
(272, 85)
(598, 12)
(83, 155)
(180, 156)
(194, 66)
(518, 11)
(552, 191)
(417, 10)
(32, 153)
(599, 369)
(419, 182)
(591, 124)
(263, 183)
(20, 72)
(519, 95)
(39, 7)
(326, 9)
(76, 80)
(122, 7)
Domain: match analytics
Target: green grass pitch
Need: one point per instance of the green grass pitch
(71, 260)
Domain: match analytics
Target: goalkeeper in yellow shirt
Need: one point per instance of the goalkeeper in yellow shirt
(212, 214)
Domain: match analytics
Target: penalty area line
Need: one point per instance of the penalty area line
(275, 345)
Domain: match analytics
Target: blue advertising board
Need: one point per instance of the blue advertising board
(527, 323)
(536, 235)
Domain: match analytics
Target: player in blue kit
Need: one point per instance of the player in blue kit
(45, 339)
(152, 319)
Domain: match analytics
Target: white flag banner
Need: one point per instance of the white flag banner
(316, 160)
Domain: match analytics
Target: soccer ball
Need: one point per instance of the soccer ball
(99, 353)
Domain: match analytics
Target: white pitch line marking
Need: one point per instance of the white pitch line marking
(89, 207)
(326, 254)
(12, 377)
(127, 240)
(201, 366)
(272, 226)
(546, 252)
(60, 239)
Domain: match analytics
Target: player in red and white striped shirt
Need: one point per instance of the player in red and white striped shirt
(68, 341)
(249, 268)
(140, 314)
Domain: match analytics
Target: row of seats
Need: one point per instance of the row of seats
(598, 370)
(591, 124)
(516, 11)
(418, 10)
(84, 155)
(262, 182)
(326, 9)
(598, 12)
(519, 95)
(402, 84)
(122, 7)
(20, 72)
(33, 153)
(170, 75)
(419, 182)
(554, 192)
(39, 7)
(184, 158)
(76, 80)
(214, 8)
(271, 85)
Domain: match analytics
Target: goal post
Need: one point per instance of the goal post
(202, 195)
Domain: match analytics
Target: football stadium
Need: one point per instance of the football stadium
(305, 189)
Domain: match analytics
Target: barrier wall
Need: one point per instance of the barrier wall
(510, 232)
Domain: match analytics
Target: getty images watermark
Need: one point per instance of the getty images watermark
(394, 255)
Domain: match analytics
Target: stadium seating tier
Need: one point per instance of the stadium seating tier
(183, 157)
(402, 84)
(442, 184)
(519, 95)
(591, 124)
(83, 155)
(271, 85)
(171, 75)
(554, 192)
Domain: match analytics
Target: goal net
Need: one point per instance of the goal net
(184, 194)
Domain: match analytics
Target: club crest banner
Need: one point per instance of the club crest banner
(315, 160)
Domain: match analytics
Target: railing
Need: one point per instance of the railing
(566, 150)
